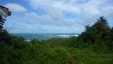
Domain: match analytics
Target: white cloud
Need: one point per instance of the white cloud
(34, 18)
(82, 8)
(15, 7)
(53, 20)
(33, 23)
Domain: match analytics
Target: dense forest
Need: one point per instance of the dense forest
(93, 46)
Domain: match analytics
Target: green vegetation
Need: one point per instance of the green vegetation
(93, 46)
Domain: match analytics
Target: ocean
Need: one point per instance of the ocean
(29, 36)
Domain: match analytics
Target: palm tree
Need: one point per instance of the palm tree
(4, 12)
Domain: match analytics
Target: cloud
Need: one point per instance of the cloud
(34, 18)
(15, 7)
(34, 23)
(82, 8)
(59, 16)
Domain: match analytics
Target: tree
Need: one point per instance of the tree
(97, 32)
(4, 12)
(2, 21)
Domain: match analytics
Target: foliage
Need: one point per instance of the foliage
(4, 35)
(99, 33)
(93, 46)
(1, 22)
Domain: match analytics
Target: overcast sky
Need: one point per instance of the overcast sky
(55, 16)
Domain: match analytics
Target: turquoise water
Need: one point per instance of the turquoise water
(29, 36)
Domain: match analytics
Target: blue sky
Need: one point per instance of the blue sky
(55, 16)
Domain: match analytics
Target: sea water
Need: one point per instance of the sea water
(29, 36)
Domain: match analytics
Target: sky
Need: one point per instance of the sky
(55, 16)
